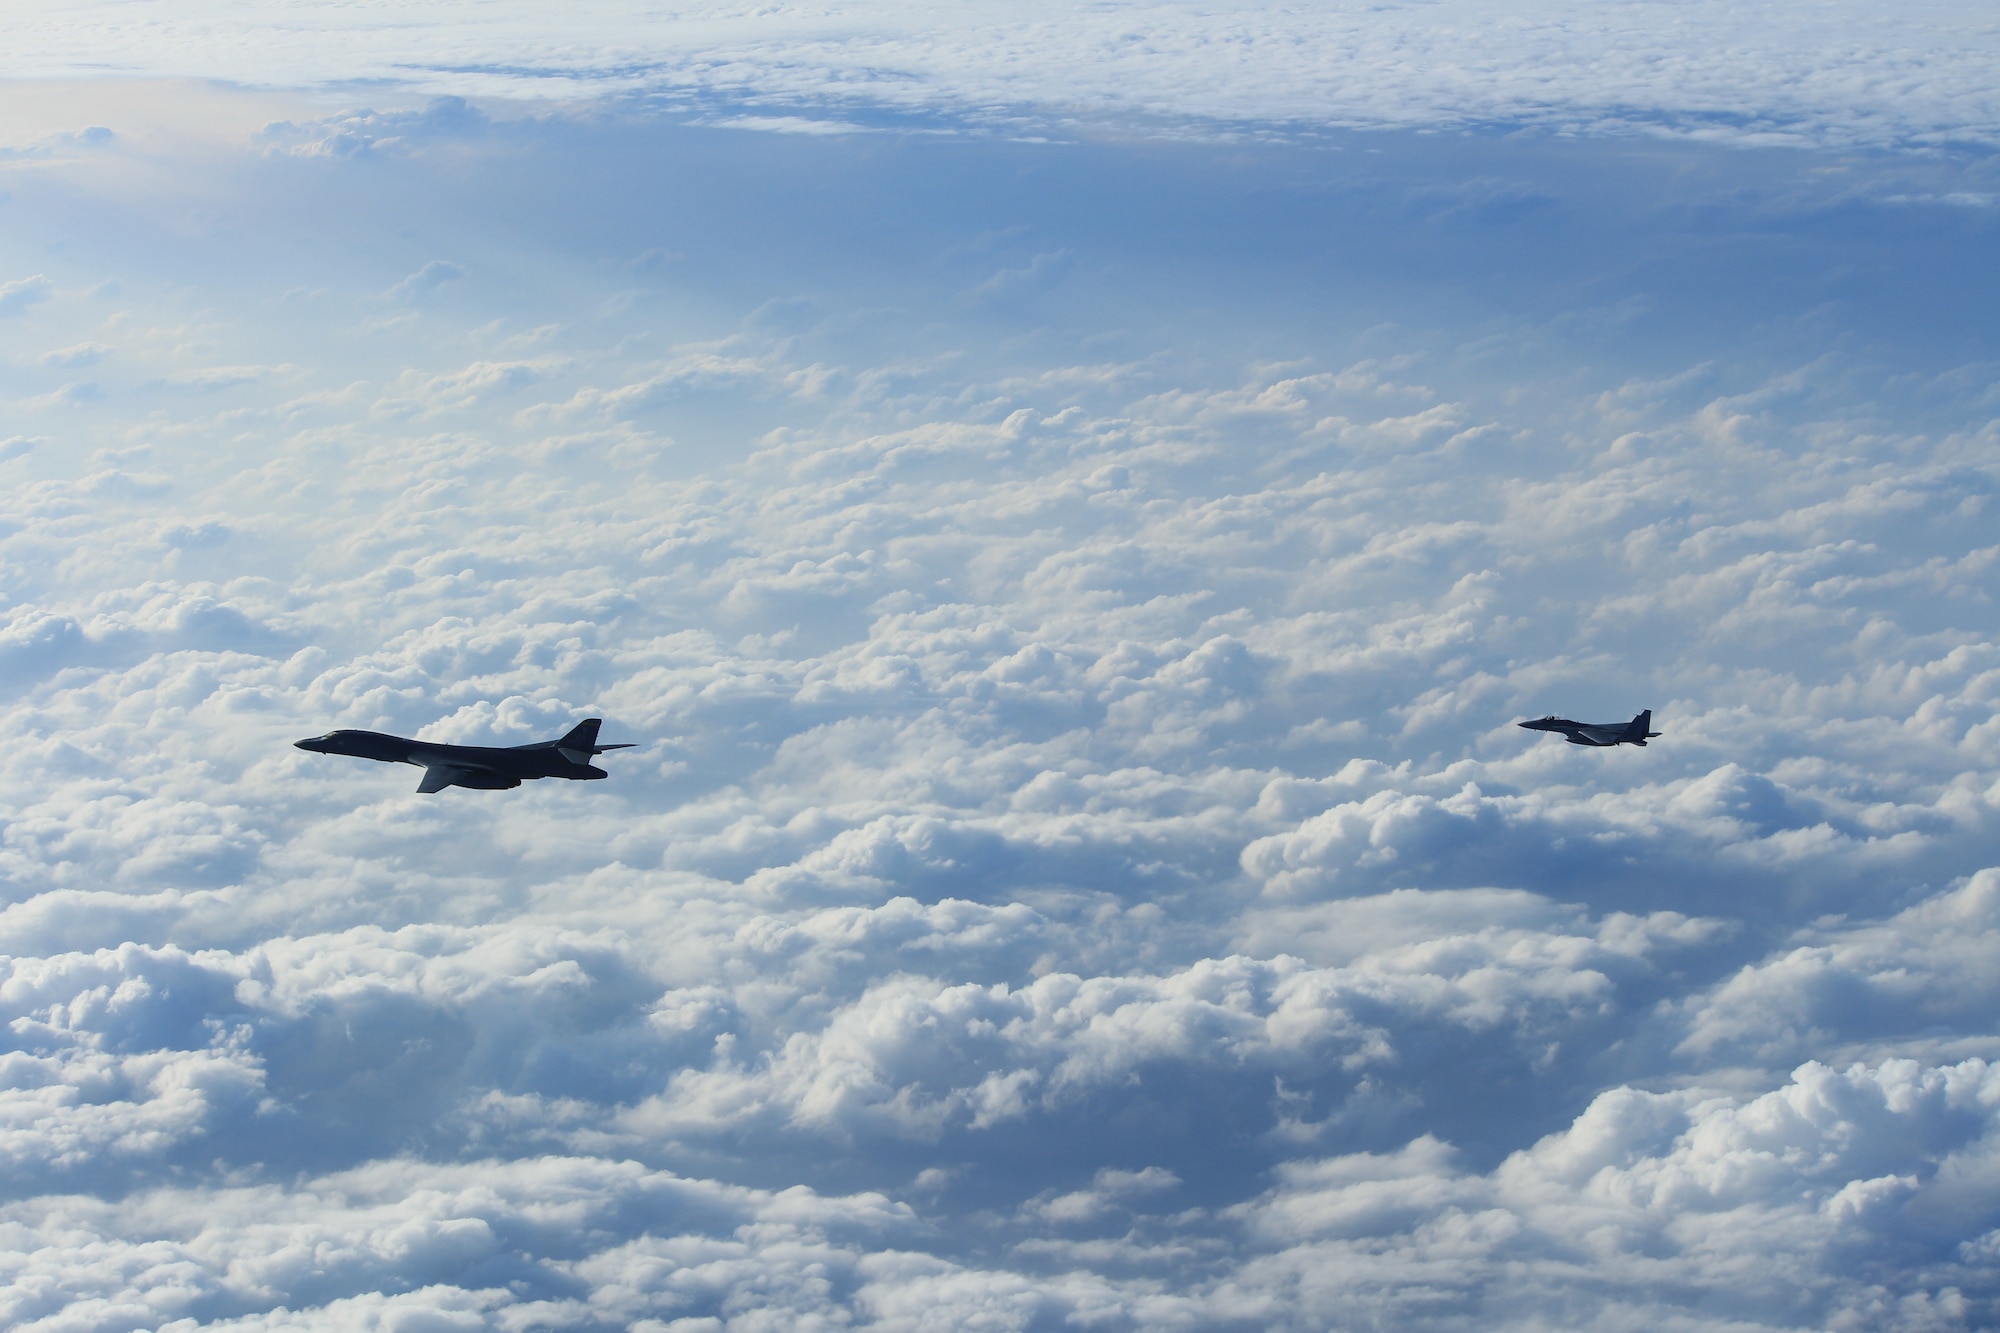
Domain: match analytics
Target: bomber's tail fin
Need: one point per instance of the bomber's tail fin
(582, 736)
(1639, 728)
(581, 742)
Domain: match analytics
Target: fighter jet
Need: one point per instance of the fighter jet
(1603, 734)
(489, 767)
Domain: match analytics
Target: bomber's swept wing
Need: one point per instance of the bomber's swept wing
(439, 776)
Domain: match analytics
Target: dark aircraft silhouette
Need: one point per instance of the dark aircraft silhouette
(490, 767)
(1603, 734)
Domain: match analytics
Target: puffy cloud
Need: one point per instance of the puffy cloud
(82, 354)
(1923, 970)
(1838, 1199)
(1833, 1200)
(17, 295)
(482, 1245)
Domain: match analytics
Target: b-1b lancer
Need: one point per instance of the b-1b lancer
(489, 767)
(1602, 734)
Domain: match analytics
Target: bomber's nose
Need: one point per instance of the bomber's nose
(312, 744)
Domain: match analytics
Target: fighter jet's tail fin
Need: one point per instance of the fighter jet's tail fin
(581, 742)
(1639, 728)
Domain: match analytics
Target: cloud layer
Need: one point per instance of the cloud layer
(1073, 601)
(1837, 73)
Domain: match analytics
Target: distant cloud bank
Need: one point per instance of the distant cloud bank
(1796, 71)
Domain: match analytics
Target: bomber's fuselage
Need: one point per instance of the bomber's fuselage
(540, 760)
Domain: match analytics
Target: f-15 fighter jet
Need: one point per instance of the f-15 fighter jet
(491, 767)
(1604, 734)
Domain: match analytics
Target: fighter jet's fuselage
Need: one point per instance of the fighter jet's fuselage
(1604, 735)
(492, 767)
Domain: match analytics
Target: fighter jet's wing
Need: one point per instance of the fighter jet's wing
(439, 776)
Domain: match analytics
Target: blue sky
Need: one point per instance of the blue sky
(1070, 519)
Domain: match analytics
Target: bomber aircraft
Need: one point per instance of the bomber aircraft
(1602, 734)
(491, 767)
